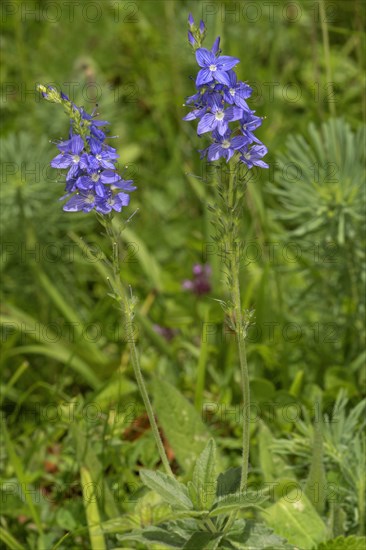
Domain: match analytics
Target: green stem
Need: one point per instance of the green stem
(201, 368)
(244, 376)
(127, 308)
(234, 255)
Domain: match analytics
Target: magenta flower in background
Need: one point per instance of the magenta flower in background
(200, 284)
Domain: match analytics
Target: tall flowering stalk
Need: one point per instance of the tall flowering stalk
(93, 183)
(220, 106)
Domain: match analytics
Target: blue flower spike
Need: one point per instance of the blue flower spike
(92, 181)
(219, 101)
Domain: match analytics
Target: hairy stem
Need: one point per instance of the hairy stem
(234, 261)
(240, 337)
(127, 308)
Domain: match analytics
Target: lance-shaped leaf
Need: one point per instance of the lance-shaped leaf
(229, 503)
(204, 475)
(168, 488)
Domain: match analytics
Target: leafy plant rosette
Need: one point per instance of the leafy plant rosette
(200, 514)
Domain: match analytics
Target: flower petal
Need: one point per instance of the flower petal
(64, 160)
(204, 76)
(227, 62)
(222, 77)
(205, 57)
(76, 144)
(206, 124)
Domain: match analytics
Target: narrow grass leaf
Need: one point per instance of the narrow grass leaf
(91, 510)
(22, 478)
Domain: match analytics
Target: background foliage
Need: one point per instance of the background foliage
(73, 414)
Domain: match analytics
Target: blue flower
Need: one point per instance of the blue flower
(97, 181)
(237, 92)
(206, 96)
(218, 118)
(248, 124)
(84, 202)
(214, 68)
(196, 113)
(70, 155)
(252, 157)
(112, 202)
(105, 156)
(126, 185)
(224, 146)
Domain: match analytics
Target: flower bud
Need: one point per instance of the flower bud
(191, 38)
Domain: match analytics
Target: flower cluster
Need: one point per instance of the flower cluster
(92, 181)
(200, 284)
(220, 99)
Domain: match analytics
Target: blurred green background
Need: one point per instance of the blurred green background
(303, 230)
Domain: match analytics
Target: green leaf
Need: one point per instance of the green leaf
(272, 466)
(157, 534)
(87, 457)
(17, 465)
(181, 423)
(137, 248)
(154, 535)
(113, 390)
(317, 476)
(252, 535)
(58, 349)
(168, 488)
(91, 510)
(193, 495)
(66, 520)
(200, 540)
(344, 543)
(262, 390)
(228, 482)
(204, 475)
(9, 540)
(229, 503)
(294, 518)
